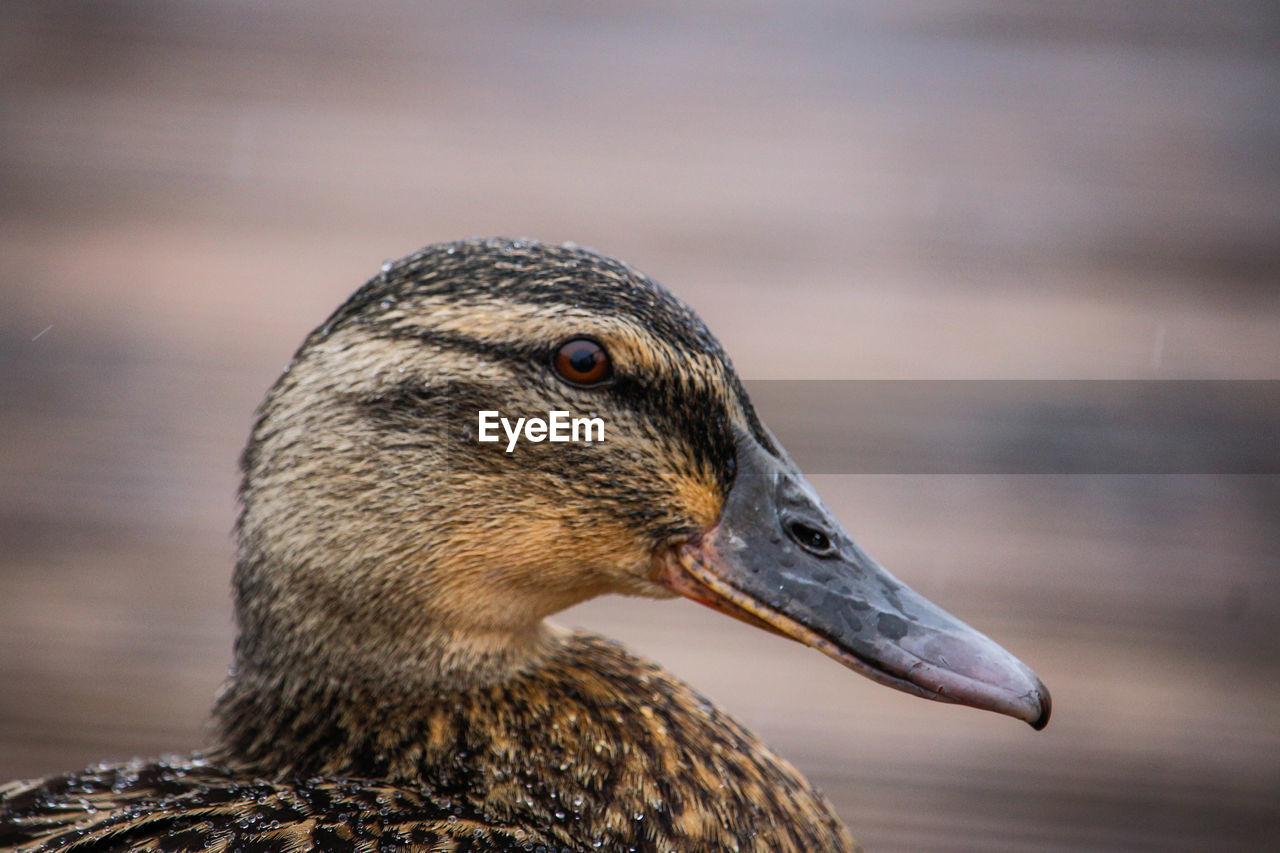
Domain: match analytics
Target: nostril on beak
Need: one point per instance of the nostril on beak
(810, 538)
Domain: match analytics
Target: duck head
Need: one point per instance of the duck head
(378, 531)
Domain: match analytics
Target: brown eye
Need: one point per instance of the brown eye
(582, 361)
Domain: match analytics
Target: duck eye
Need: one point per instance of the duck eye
(582, 361)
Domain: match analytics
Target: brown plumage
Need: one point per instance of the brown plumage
(592, 746)
(395, 685)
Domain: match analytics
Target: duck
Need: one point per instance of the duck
(397, 683)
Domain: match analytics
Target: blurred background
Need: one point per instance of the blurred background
(938, 190)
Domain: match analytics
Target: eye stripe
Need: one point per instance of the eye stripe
(452, 340)
(690, 407)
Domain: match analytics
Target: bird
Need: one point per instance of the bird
(396, 682)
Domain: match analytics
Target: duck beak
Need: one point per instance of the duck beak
(778, 559)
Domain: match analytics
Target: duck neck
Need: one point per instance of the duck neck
(288, 718)
(319, 687)
(587, 742)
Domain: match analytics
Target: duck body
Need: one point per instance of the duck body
(593, 749)
(396, 685)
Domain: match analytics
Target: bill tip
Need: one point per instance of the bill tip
(1046, 706)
